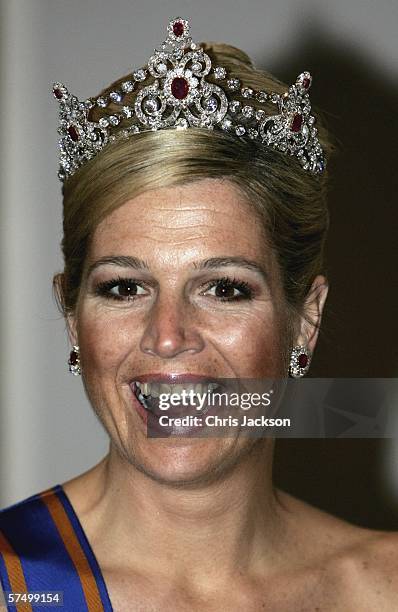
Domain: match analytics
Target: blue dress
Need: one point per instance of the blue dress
(43, 549)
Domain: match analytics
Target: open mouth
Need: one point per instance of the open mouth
(175, 399)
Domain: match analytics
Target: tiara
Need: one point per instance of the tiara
(180, 97)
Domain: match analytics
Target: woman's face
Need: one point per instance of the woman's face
(179, 282)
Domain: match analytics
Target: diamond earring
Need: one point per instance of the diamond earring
(300, 360)
(74, 361)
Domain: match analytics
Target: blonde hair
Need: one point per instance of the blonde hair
(291, 201)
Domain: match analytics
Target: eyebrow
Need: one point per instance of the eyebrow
(123, 261)
(126, 261)
(223, 262)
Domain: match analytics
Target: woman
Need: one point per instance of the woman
(194, 224)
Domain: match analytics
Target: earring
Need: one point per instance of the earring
(300, 360)
(74, 361)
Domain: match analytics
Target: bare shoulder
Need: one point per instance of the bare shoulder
(353, 567)
(367, 570)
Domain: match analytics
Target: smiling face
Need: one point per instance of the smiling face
(178, 281)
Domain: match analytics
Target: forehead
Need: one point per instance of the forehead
(208, 217)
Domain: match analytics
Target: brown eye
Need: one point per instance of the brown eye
(225, 290)
(229, 290)
(125, 289)
(122, 289)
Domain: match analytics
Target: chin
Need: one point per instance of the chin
(188, 462)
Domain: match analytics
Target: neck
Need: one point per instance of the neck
(238, 518)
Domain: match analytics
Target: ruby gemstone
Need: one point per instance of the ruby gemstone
(58, 94)
(302, 360)
(73, 358)
(178, 28)
(73, 133)
(306, 83)
(179, 88)
(297, 122)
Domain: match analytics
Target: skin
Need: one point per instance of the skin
(193, 524)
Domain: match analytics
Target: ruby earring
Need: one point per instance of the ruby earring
(74, 361)
(300, 359)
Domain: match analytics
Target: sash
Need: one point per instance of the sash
(43, 548)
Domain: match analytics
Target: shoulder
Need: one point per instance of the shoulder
(354, 567)
(13, 514)
(24, 521)
(26, 503)
(366, 571)
(21, 539)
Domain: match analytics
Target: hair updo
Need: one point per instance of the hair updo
(291, 201)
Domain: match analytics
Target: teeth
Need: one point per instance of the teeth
(155, 389)
(143, 401)
(152, 390)
(162, 388)
(144, 389)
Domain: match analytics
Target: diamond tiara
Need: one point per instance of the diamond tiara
(180, 97)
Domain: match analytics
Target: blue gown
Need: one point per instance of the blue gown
(43, 548)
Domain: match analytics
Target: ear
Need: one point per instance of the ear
(70, 319)
(71, 328)
(312, 313)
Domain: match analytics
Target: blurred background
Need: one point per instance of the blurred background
(47, 430)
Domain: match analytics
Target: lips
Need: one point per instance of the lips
(174, 378)
(192, 394)
(156, 389)
(152, 394)
(178, 399)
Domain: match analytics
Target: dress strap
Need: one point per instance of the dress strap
(43, 548)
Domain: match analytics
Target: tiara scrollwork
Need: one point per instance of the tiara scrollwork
(180, 97)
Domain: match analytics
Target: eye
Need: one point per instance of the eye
(126, 289)
(229, 290)
(120, 289)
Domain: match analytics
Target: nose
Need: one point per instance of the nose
(171, 330)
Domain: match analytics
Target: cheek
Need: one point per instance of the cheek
(104, 342)
(249, 342)
(253, 343)
(265, 358)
